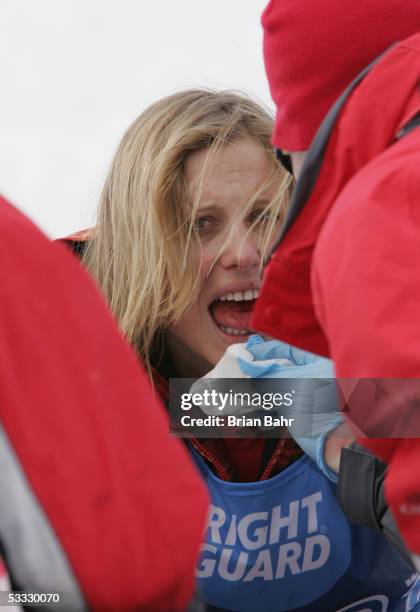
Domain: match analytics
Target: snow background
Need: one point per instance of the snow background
(75, 73)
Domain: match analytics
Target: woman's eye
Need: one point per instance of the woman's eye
(260, 216)
(201, 224)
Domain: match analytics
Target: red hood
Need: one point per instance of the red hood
(363, 124)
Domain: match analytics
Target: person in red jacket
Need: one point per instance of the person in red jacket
(98, 503)
(342, 281)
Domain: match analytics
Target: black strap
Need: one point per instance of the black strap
(360, 492)
(363, 503)
(409, 127)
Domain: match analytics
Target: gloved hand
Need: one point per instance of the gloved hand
(228, 367)
(314, 410)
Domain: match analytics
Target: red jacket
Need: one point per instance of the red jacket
(106, 504)
(344, 279)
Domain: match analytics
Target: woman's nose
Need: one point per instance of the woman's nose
(241, 249)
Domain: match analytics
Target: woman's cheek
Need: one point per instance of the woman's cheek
(209, 254)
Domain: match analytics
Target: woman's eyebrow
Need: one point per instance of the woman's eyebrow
(263, 201)
(210, 207)
(220, 207)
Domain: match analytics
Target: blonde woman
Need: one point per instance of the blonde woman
(190, 208)
(192, 200)
(191, 205)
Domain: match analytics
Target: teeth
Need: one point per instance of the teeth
(240, 296)
(228, 296)
(234, 332)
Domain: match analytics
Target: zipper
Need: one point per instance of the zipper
(221, 471)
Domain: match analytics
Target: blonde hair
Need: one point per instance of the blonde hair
(142, 251)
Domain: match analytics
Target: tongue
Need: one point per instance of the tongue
(236, 315)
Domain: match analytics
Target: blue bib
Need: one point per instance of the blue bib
(285, 544)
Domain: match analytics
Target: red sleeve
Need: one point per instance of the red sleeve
(365, 283)
(366, 276)
(121, 495)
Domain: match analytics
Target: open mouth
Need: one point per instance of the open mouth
(231, 312)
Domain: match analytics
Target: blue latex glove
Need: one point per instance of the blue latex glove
(317, 411)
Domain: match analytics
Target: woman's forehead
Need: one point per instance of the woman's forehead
(237, 167)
